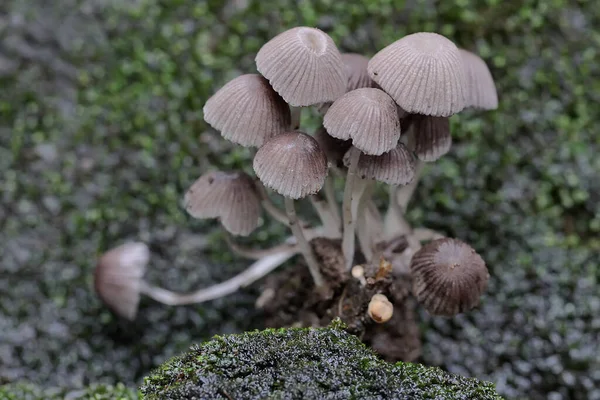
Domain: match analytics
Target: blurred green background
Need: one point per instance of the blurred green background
(101, 132)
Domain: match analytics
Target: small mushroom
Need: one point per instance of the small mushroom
(293, 165)
(431, 137)
(481, 89)
(304, 66)
(370, 118)
(229, 196)
(380, 309)
(118, 277)
(247, 111)
(449, 277)
(424, 74)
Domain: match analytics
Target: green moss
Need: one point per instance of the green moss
(325, 363)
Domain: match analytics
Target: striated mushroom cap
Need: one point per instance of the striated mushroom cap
(304, 66)
(449, 277)
(292, 164)
(368, 116)
(423, 73)
(481, 89)
(431, 139)
(247, 111)
(230, 196)
(396, 167)
(118, 277)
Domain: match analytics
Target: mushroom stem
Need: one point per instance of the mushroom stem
(352, 193)
(394, 223)
(326, 215)
(366, 221)
(256, 254)
(329, 191)
(272, 209)
(304, 246)
(256, 271)
(405, 193)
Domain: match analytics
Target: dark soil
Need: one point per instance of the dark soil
(290, 299)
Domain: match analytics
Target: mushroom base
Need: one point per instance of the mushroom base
(290, 299)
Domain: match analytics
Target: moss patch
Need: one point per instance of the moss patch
(324, 363)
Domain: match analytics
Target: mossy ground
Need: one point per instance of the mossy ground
(324, 363)
(101, 132)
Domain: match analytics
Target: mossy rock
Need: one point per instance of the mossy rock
(309, 363)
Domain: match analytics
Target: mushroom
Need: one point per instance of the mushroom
(118, 277)
(423, 72)
(380, 309)
(481, 90)
(304, 66)
(293, 165)
(431, 137)
(229, 196)
(369, 117)
(449, 277)
(247, 111)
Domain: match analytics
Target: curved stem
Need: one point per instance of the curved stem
(304, 246)
(296, 113)
(256, 271)
(405, 193)
(394, 224)
(272, 209)
(349, 223)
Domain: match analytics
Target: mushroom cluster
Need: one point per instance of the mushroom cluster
(383, 118)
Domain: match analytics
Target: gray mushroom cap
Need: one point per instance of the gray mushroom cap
(431, 139)
(292, 164)
(481, 89)
(118, 277)
(304, 66)
(368, 116)
(449, 277)
(247, 111)
(424, 74)
(230, 196)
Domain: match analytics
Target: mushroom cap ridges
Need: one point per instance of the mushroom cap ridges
(431, 138)
(449, 277)
(247, 111)
(304, 66)
(230, 196)
(481, 92)
(395, 167)
(368, 116)
(292, 164)
(424, 74)
(118, 277)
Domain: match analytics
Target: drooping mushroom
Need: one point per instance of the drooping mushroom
(293, 165)
(449, 277)
(118, 277)
(380, 309)
(369, 117)
(229, 196)
(247, 111)
(481, 92)
(424, 74)
(430, 138)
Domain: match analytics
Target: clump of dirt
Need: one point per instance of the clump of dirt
(290, 298)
